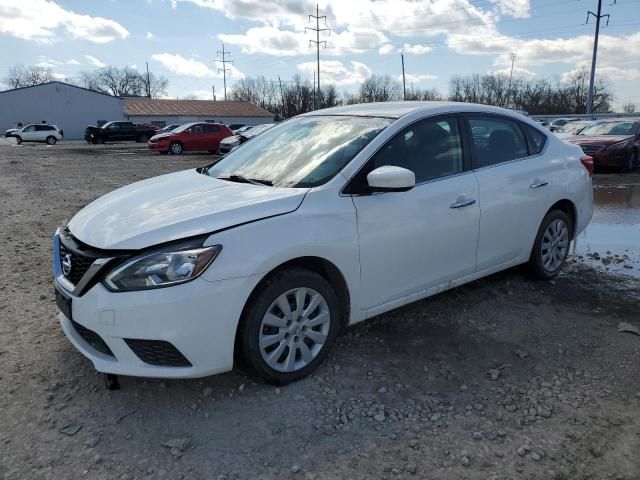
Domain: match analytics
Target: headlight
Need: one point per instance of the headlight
(622, 144)
(161, 268)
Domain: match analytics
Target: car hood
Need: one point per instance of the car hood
(176, 206)
(231, 140)
(596, 139)
(160, 136)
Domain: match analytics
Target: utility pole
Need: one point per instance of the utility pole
(598, 16)
(224, 68)
(404, 83)
(317, 41)
(314, 90)
(213, 92)
(513, 59)
(148, 81)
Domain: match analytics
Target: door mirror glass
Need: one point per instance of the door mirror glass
(390, 178)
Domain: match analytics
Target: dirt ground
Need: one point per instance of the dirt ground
(504, 378)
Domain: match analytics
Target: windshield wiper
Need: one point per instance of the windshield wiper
(241, 179)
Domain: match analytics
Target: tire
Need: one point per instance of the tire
(631, 162)
(551, 246)
(175, 148)
(289, 329)
(51, 140)
(18, 141)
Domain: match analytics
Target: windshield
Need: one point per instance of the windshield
(182, 128)
(302, 152)
(573, 127)
(611, 128)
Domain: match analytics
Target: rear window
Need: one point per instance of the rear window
(537, 139)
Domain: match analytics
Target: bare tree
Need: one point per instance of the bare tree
(380, 88)
(21, 76)
(629, 107)
(122, 82)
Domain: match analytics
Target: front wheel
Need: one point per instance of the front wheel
(51, 140)
(18, 141)
(176, 148)
(288, 328)
(551, 247)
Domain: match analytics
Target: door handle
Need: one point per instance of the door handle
(539, 182)
(463, 202)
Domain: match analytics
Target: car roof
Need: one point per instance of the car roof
(400, 109)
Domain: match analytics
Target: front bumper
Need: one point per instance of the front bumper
(159, 146)
(199, 319)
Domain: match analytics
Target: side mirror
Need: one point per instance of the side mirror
(391, 179)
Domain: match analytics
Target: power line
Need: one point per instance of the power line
(597, 16)
(224, 68)
(318, 43)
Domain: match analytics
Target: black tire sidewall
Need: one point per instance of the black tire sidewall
(51, 140)
(535, 261)
(18, 141)
(254, 312)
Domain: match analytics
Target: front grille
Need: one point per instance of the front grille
(591, 149)
(79, 263)
(157, 352)
(92, 338)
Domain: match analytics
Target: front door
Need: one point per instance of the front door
(411, 241)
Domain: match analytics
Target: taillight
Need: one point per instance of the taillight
(61, 133)
(587, 161)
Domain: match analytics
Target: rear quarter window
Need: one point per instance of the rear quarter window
(537, 139)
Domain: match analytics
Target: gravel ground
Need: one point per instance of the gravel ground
(500, 379)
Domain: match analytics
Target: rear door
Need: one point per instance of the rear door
(42, 132)
(513, 179)
(411, 241)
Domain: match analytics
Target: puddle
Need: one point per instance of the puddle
(612, 239)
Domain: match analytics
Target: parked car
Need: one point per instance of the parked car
(243, 129)
(119, 131)
(191, 137)
(235, 126)
(170, 128)
(36, 132)
(231, 143)
(573, 128)
(560, 122)
(611, 143)
(323, 221)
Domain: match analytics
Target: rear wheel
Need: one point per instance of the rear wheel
(51, 140)
(631, 162)
(289, 326)
(551, 247)
(176, 148)
(142, 138)
(18, 140)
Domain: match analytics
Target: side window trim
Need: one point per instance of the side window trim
(464, 144)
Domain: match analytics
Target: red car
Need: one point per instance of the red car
(611, 143)
(191, 137)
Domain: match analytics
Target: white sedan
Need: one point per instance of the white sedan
(325, 220)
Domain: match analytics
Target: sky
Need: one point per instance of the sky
(180, 39)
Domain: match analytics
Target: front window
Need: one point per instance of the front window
(301, 153)
(611, 128)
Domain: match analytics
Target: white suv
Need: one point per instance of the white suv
(323, 221)
(36, 132)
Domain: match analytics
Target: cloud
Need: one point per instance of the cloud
(150, 35)
(95, 62)
(46, 62)
(44, 21)
(609, 72)
(189, 67)
(333, 71)
(269, 40)
(417, 77)
(518, 72)
(416, 49)
(513, 8)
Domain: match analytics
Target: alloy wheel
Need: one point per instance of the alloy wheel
(294, 329)
(555, 245)
(176, 148)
